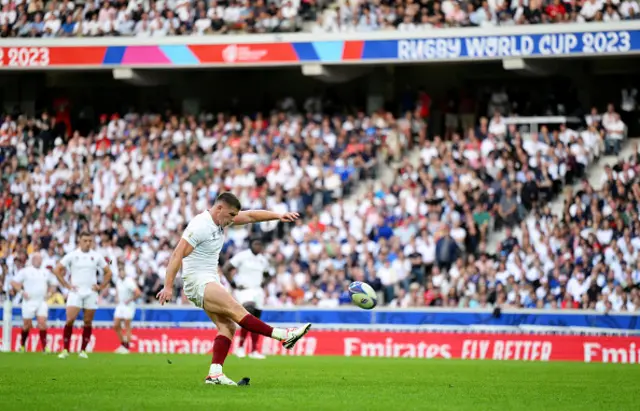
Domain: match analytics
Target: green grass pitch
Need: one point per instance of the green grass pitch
(32, 382)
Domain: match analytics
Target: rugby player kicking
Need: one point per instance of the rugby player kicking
(198, 252)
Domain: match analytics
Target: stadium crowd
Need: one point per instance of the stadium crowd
(149, 18)
(420, 241)
(412, 15)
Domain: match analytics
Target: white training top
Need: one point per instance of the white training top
(126, 288)
(35, 282)
(249, 268)
(207, 240)
(83, 268)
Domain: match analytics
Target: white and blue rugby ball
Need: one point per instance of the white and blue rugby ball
(363, 295)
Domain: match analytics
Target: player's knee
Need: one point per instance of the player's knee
(250, 307)
(236, 312)
(42, 325)
(116, 326)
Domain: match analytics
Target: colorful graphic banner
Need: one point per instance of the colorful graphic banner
(157, 314)
(459, 47)
(370, 344)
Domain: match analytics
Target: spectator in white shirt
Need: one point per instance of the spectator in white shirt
(202, 24)
(609, 116)
(158, 27)
(629, 9)
(232, 13)
(125, 25)
(7, 16)
(615, 134)
(215, 9)
(593, 118)
(407, 24)
(289, 11)
(590, 9)
(610, 14)
(91, 28)
(183, 10)
(143, 28)
(497, 127)
(51, 23)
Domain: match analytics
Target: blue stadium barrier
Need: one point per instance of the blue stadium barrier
(381, 317)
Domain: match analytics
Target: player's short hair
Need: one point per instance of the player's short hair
(84, 234)
(229, 199)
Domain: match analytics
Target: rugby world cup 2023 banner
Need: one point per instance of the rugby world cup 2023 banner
(443, 345)
(468, 44)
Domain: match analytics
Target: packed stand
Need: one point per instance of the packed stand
(150, 18)
(589, 254)
(138, 180)
(351, 15)
(420, 241)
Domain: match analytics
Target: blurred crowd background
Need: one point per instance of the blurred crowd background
(149, 18)
(419, 235)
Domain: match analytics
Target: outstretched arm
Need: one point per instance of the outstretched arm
(259, 216)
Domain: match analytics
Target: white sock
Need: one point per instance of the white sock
(279, 334)
(215, 369)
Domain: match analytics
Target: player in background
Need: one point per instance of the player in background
(83, 265)
(36, 283)
(251, 269)
(198, 252)
(127, 292)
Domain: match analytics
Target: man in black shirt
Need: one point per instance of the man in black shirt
(529, 193)
(533, 14)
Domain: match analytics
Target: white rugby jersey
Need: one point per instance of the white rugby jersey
(126, 288)
(83, 268)
(35, 282)
(249, 268)
(207, 239)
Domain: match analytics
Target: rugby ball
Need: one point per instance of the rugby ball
(363, 295)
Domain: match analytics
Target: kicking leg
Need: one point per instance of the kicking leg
(218, 301)
(221, 345)
(72, 314)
